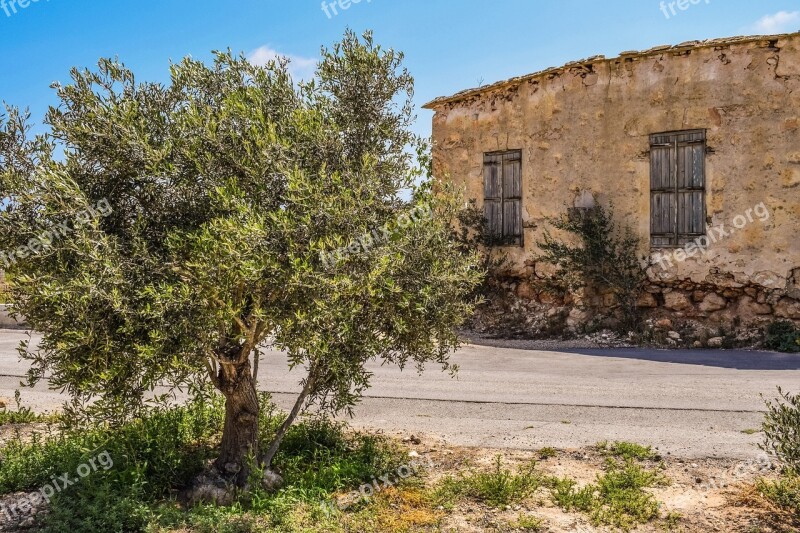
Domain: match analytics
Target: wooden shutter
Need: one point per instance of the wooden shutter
(691, 192)
(662, 195)
(502, 196)
(512, 196)
(677, 188)
(493, 195)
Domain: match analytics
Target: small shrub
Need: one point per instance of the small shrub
(627, 450)
(784, 493)
(565, 495)
(471, 234)
(497, 487)
(527, 523)
(448, 491)
(500, 486)
(319, 457)
(23, 415)
(783, 336)
(547, 452)
(617, 497)
(782, 430)
(672, 520)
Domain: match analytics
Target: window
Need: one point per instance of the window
(677, 187)
(502, 196)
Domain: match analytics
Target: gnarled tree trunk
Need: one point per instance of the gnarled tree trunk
(240, 434)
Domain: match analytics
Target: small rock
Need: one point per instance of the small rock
(647, 300)
(674, 335)
(271, 481)
(664, 323)
(210, 488)
(232, 468)
(713, 302)
(677, 301)
(715, 342)
(412, 453)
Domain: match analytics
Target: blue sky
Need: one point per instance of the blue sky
(449, 45)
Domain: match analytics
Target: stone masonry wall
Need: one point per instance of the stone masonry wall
(584, 128)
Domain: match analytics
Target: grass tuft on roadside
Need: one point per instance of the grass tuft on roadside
(23, 415)
(784, 493)
(627, 450)
(497, 487)
(527, 523)
(617, 498)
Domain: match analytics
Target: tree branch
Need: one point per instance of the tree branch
(256, 357)
(267, 458)
(212, 373)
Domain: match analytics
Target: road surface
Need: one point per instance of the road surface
(692, 404)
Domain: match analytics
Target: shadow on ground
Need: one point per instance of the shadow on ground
(732, 359)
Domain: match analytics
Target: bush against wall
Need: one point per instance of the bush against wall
(783, 336)
(593, 253)
(471, 233)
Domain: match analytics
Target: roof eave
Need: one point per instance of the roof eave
(689, 45)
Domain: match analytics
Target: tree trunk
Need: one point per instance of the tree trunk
(240, 435)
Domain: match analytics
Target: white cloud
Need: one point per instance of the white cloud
(301, 68)
(780, 22)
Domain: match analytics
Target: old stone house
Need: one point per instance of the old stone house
(697, 146)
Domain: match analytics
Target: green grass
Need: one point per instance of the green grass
(24, 415)
(627, 450)
(783, 493)
(156, 457)
(322, 463)
(751, 431)
(527, 523)
(547, 453)
(616, 499)
(496, 487)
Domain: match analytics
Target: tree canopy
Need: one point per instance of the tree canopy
(159, 234)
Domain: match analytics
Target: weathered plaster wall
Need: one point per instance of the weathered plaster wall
(6, 321)
(586, 127)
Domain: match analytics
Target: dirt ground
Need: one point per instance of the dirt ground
(712, 495)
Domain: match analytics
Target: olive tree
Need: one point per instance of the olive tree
(159, 234)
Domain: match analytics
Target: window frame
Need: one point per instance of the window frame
(503, 197)
(678, 188)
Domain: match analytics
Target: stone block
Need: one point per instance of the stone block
(677, 301)
(713, 302)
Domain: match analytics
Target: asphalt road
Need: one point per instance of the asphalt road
(691, 404)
